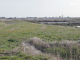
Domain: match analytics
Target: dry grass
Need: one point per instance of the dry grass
(68, 44)
(35, 46)
(52, 44)
(38, 43)
(30, 49)
(65, 43)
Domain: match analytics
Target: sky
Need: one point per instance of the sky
(39, 8)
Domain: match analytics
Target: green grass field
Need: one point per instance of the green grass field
(22, 30)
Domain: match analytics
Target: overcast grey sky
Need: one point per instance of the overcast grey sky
(39, 8)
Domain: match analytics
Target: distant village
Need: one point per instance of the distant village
(34, 17)
(44, 19)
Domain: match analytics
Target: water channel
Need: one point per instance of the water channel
(61, 23)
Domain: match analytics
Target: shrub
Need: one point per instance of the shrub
(12, 40)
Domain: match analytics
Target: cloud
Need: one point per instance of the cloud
(74, 3)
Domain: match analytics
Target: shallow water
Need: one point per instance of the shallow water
(78, 26)
(53, 22)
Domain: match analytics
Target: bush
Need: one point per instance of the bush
(12, 40)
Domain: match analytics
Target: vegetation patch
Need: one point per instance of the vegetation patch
(51, 39)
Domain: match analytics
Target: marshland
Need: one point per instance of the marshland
(21, 39)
